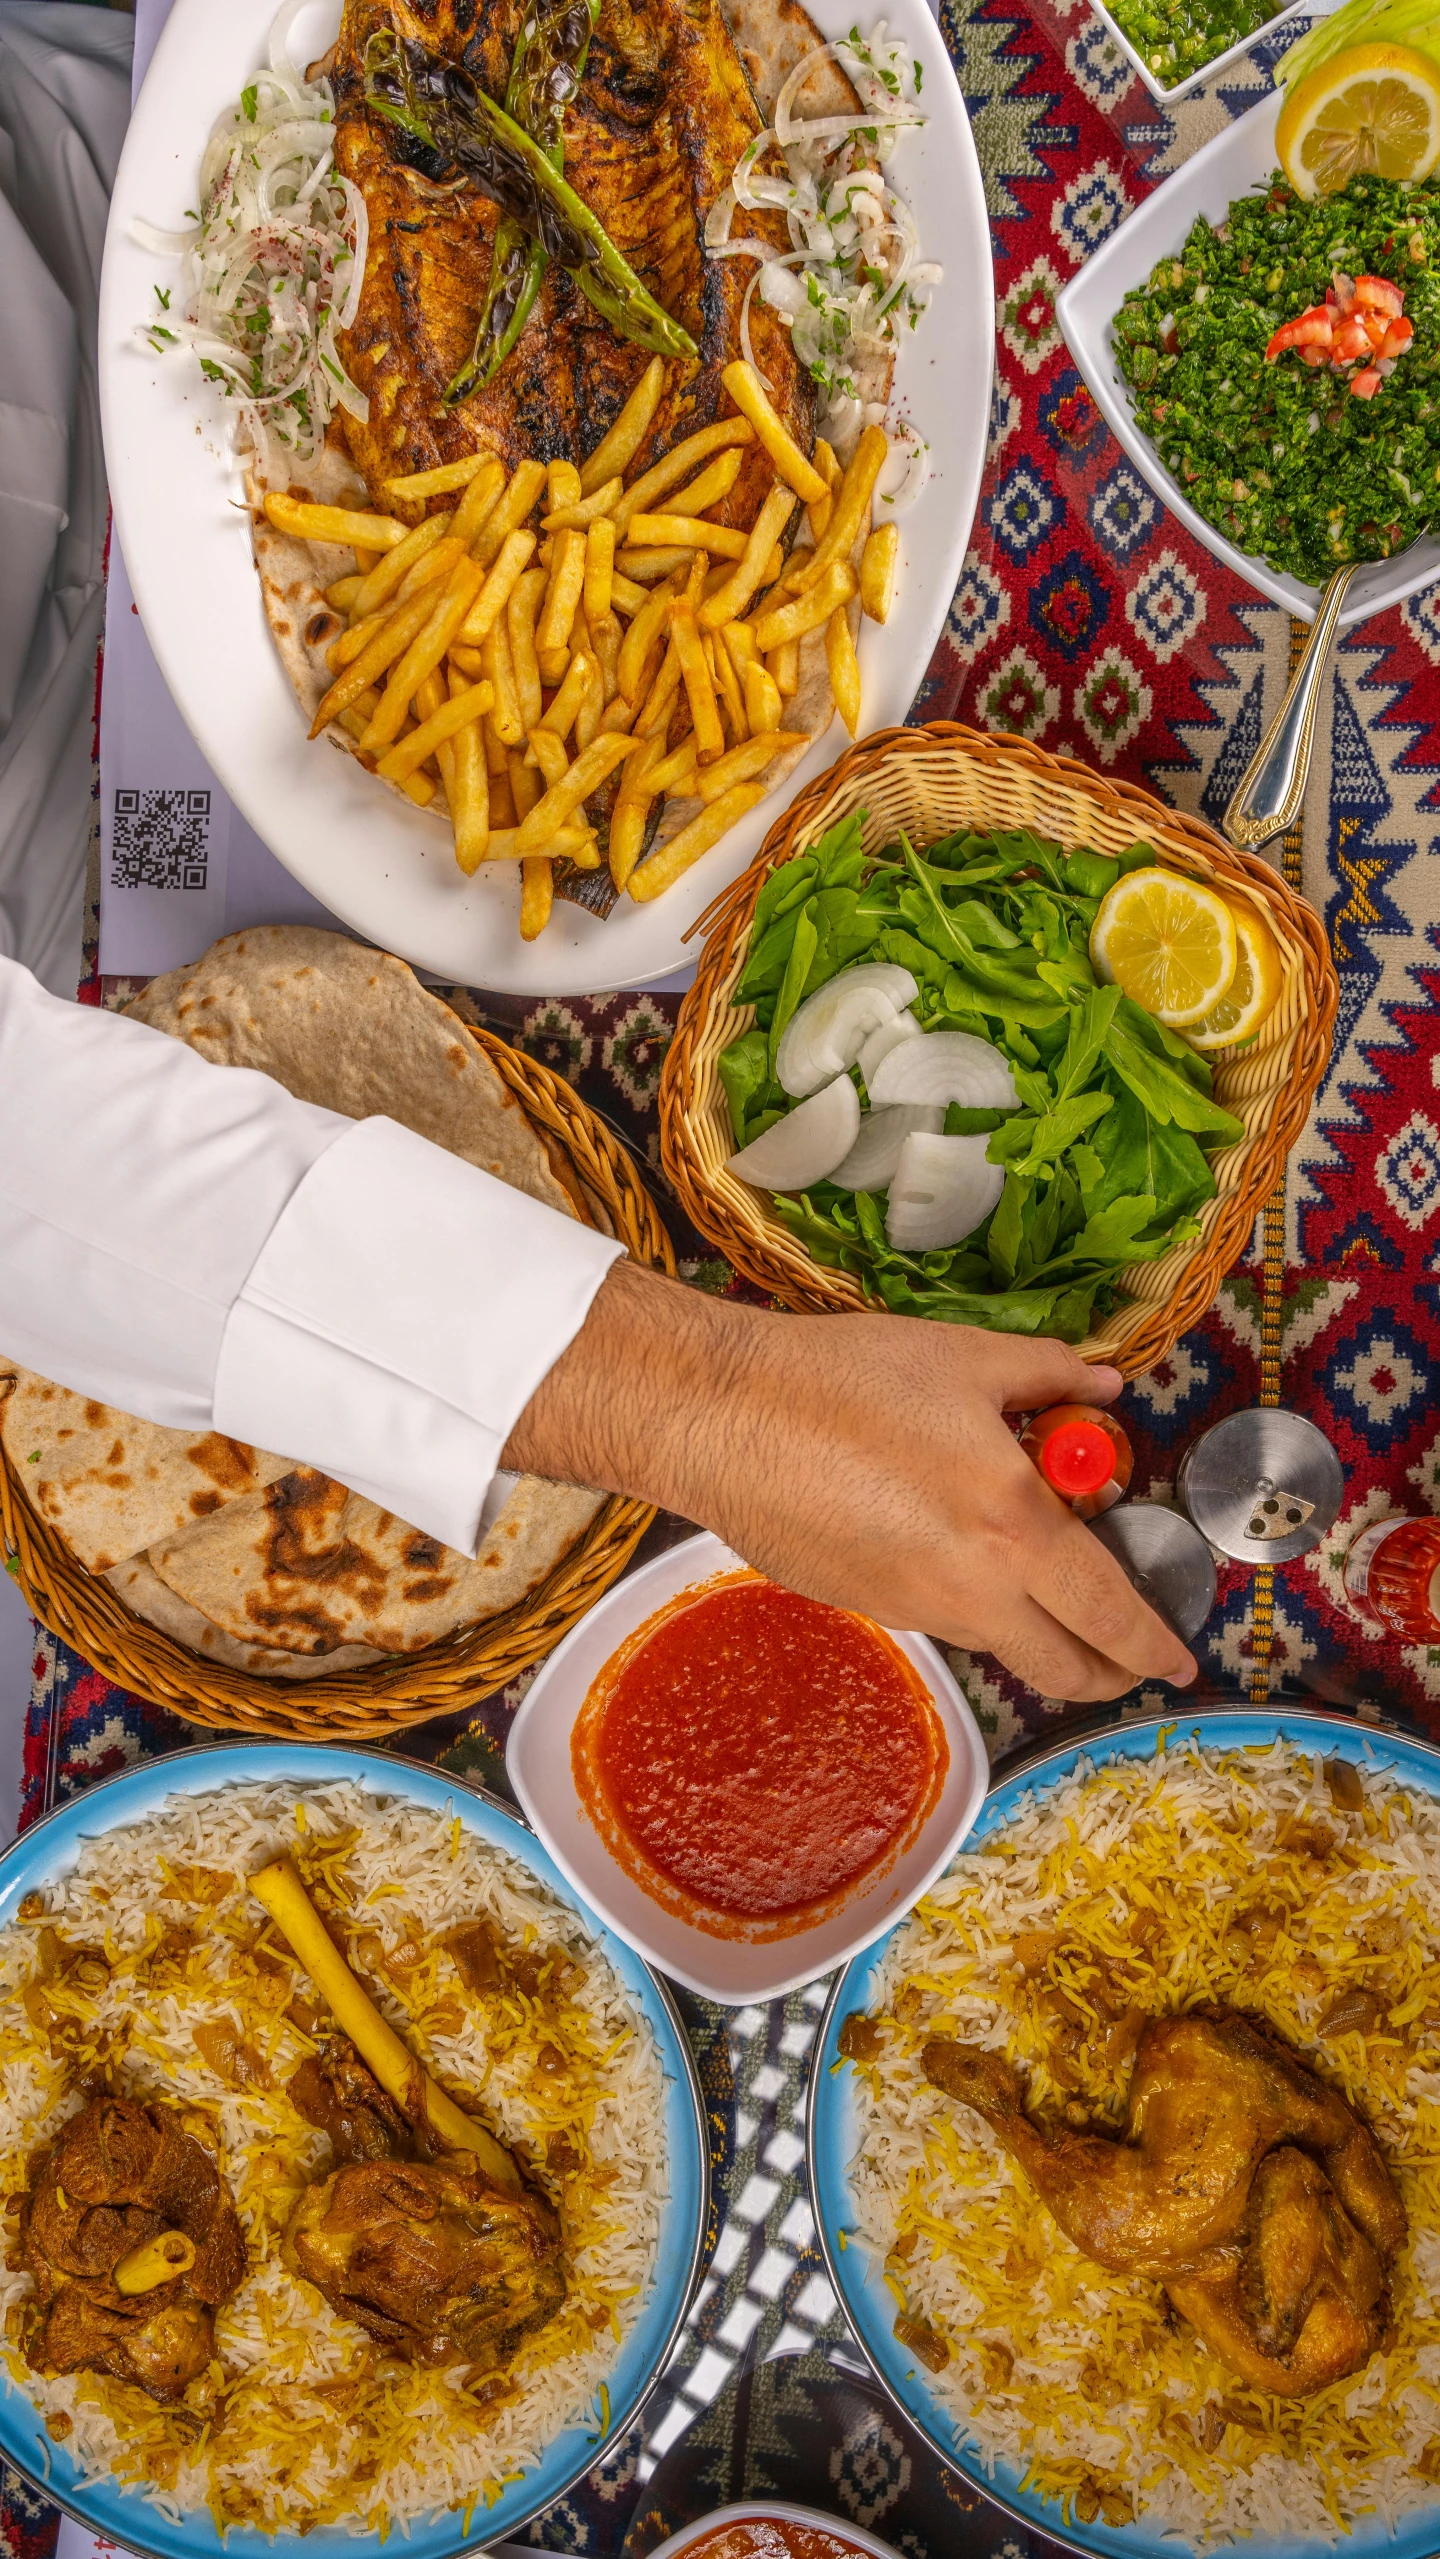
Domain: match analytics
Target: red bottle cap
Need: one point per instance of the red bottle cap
(1077, 1457)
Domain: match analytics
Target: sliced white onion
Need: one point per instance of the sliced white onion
(946, 1066)
(804, 1147)
(904, 471)
(943, 1188)
(872, 1161)
(826, 1033)
(889, 1035)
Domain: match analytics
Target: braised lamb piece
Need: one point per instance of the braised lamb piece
(429, 2256)
(1247, 2187)
(133, 2242)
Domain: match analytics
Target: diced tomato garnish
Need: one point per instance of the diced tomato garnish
(1313, 355)
(1397, 337)
(1352, 342)
(1314, 328)
(1363, 386)
(1377, 293)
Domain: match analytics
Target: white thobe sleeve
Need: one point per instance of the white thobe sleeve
(189, 1243)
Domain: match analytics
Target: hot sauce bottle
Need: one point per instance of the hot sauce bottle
(1083, 1455)
(1392, 1573)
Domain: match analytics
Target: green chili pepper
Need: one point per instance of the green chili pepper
(545, 75)
(456, 126)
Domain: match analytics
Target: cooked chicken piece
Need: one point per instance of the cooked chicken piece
(119, 2174)
(1301, 2300)
(1236, 2168)
(430, 2258)
(334, 2091)
(663, 114)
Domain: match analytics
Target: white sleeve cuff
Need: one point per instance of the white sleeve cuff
(398, 1320)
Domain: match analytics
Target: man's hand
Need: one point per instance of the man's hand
(858, 1458)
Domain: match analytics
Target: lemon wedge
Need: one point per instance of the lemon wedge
(1253, 992)
(1169, 942)
(1373, 107)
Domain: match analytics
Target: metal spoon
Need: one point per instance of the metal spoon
(1267, 797)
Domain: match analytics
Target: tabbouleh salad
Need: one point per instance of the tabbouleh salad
(1279, 457)
(1174, 37)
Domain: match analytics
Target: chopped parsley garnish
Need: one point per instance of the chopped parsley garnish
(1278, 457)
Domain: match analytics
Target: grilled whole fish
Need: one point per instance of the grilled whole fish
(665, 111)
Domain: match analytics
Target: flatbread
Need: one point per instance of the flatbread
(306, 1566)
(354, 1031)
(146, 1596)
(111, 1485)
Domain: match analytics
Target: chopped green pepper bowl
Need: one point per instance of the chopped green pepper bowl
(1104, 1155)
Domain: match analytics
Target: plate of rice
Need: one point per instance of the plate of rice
(143, 1982)
(1263, 1888)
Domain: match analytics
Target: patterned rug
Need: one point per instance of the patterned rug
(1090, 622)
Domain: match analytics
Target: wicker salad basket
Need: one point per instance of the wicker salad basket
(375, 1698)
(932, 781)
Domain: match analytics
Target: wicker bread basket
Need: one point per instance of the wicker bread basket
(388, 1696)
(931, 781)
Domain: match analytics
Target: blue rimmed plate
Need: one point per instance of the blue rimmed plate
(834, 2137)
(126, 2515)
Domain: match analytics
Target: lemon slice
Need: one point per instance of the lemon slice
(1254, 991)
(1169, 942)
(1373, 107)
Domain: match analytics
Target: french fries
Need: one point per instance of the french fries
(459, 712)
(562, 596)
(668, 474)
(509, 511)
(844, 668)
(519, 670)
(617, 449)
(565, 796)
(559, 720)
(508, 716)
(537, 897)
(831, 473)
(467, 788)
(792, 621)
(850, 515)
(577, 514)
(699, 683)
(878, 563)
(393, 566)
(424, 653)
(334, 523)
(599, 572)
(478, 501)
(692, 532)
(508, 564)
(445, 476)
(753, 401)
(732, 599)
(660, 870)
(381, 653)
(521, 608)
(746, 760)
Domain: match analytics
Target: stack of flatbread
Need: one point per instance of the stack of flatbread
(244, 1557)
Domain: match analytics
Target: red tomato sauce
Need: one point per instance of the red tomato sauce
(771, 2537)
(749, 1757)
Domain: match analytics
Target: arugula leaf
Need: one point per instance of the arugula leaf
(1007, 1230)
(1089, 1030)
(960, 1122)
(1135, 1156)
(1166, 1092)
(744, 1072)
(785, 889)
(797, 969)
(1061, 1127)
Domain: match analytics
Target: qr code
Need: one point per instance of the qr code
(160, 840)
